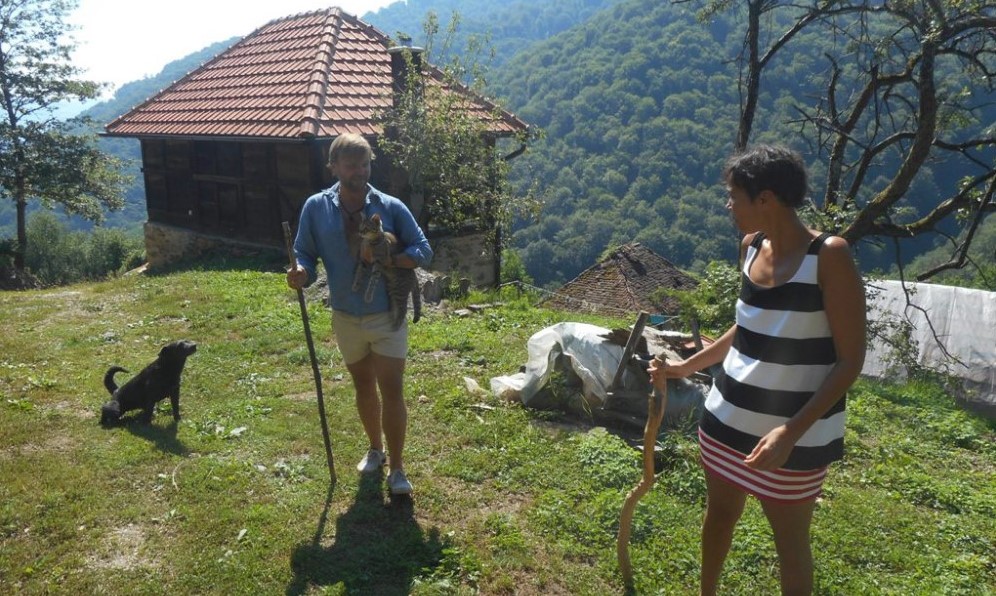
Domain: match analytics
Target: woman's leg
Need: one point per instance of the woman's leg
(790, 523)
(724, 506)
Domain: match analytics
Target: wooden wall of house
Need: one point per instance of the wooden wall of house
(237, 189)
(242, 190)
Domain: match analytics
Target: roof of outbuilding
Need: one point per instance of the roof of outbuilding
(312, 75)
(623, 282)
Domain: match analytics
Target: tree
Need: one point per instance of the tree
(439, 136)
(41, 157)
(909, 85)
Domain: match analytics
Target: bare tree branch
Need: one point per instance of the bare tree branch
(958, 260)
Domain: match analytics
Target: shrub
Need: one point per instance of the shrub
(713, 302)
(58, 256)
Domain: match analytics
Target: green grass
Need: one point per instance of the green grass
(234, 499)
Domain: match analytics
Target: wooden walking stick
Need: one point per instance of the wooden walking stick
(656, 402)
(311, 352)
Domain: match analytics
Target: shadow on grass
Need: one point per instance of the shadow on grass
(164, 437)
(378, 546)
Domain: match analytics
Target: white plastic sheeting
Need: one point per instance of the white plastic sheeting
(963, 319)
(583, 350)
(588, 355)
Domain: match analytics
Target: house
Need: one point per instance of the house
(235, 147)
(627, 281)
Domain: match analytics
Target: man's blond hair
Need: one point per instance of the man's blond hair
(349, 144)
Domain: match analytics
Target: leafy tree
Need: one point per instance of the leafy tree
(512, 269)
(712, 303)
(453, 161)
(906, 86)
(59, 256)
(40, 157)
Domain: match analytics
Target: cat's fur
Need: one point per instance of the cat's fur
(400, 281)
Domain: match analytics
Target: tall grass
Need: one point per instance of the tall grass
(235, 499)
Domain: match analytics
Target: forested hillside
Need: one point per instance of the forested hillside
(640, 110)
(639, 102)
(510, 26)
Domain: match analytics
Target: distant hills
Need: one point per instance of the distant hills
(639, 103)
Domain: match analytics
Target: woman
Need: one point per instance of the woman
(774, 418)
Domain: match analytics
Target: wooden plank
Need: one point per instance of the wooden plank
(634, 338)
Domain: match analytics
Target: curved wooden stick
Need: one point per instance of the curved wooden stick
(656, 402)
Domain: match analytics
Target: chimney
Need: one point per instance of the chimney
(403, 56)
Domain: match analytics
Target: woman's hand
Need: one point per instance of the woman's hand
(658, 373)
(772, 451)
(679, 370)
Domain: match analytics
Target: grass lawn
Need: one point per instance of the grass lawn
(235, 498)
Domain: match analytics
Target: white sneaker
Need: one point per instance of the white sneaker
(398, 484)
(372, 461)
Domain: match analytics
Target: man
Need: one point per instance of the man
(374, 353)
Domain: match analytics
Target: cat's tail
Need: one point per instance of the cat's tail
(416, 303)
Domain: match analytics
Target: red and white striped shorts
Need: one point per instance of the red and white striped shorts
(775, 485)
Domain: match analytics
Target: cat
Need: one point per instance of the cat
(400, 281)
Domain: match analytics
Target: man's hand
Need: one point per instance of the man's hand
(297, 277)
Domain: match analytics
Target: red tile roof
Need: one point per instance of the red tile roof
(313, 75)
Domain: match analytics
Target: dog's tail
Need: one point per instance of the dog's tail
(109, 379)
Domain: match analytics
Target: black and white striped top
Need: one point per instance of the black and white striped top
(782, 351)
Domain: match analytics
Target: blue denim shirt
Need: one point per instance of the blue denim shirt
(321, 234)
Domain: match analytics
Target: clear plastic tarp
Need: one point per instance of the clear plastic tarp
(581, 351)
(951, 330)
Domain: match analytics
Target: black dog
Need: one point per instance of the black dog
(156, 381)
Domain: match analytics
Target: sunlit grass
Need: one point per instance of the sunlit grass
(232, 499)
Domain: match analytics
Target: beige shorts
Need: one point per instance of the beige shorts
(358, 336)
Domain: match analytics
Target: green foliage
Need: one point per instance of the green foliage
(512, 268)
(512, 26)
(57, 256)
(40, 158)
(446, 149)
(608, 461)
(980, 266)
(712, 303)
(638, 127)
(632, 156)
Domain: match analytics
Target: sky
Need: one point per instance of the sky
(119, 41)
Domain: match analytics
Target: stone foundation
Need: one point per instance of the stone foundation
(468, 256)
(166, 244)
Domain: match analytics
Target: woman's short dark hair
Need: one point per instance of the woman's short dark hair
(769, 167)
